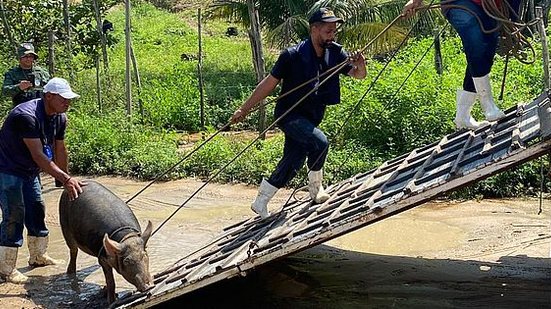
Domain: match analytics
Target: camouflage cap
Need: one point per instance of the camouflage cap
(26, 49)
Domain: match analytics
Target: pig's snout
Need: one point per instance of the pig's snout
(146, 282)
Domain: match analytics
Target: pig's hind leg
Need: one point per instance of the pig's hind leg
(73, 251)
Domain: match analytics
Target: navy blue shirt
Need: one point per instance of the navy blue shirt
(298, 64)
(27, 120)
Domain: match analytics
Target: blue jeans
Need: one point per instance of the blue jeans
(22, 205)
(302, 140)
(480, 48)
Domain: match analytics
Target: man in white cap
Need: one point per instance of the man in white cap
(31, 136)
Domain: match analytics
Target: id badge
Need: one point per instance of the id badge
(48, 152)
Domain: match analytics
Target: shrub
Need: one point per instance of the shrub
(113, 145)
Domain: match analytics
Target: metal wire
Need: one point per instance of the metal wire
(490, 11)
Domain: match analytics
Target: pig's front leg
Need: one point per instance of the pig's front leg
(109, 281)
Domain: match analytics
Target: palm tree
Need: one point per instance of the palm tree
(286, 21)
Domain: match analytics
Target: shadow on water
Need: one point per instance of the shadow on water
(332, 278)
(64, 291)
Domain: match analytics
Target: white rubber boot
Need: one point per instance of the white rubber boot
(37, 252)
(265, 193)
(8, 272)
(464, 105)
(484, 90)
(315, 187)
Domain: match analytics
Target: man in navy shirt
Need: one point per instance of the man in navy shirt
(306, 61)
(31, 136)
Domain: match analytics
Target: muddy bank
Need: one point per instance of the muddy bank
(493, 253)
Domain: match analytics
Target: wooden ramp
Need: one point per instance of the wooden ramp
(397, 185)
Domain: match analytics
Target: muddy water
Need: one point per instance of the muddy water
(403, 261)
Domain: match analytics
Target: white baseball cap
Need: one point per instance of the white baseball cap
(60, 86)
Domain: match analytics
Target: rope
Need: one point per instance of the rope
(498, 13)
(332, 72)
(514, 41)
(355, 107)
(281, 211)
(227, 125)
(342, 65)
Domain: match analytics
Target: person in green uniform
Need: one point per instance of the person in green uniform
(25, 81)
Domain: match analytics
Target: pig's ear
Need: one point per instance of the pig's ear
(112, 247)
(147, 233)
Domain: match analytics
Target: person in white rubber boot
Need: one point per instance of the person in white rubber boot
(315, 187)
(303, 139)
(464, 104)
(484, 91)
(265, 193)
(480, 48)
(32, 133)
(37, 252)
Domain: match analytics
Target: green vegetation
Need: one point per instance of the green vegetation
(380, 128)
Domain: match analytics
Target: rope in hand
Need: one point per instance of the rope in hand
(330, 71)
(335, 70)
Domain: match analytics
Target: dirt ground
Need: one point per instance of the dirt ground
(487, 254)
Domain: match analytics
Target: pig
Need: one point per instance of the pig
(102, 225)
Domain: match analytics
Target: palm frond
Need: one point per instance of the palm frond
(273, 13)
(358, 36)
(232, 10)
(292, 30)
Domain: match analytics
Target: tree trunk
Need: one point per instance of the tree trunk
(258, 58)
(99, 26)
(7, 28)
(437, 53)
(128, 77)
(545, 48)
(69, 51)
(138, 80)
(98, 84)
(51, 56)
(200, 69)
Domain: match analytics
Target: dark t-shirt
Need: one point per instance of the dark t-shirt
(27, 120)
(299, 64)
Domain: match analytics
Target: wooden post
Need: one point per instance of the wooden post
(258, 59)
(98, 83)
(545, 54)
(138, 80)
(545, 48)
(7, 28)
(51, 56)
(99, 27)
(437, 52)
(532, 14)
(69, 50)
(128, 77)
(200, 70)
